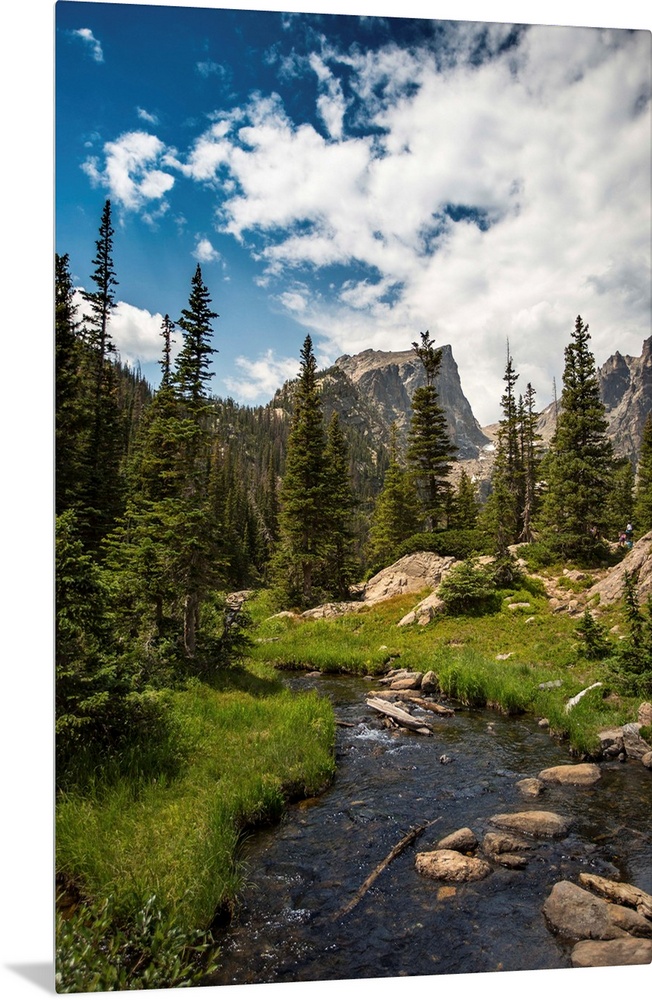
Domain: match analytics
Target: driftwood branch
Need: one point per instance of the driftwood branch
(430, 706)
(397, 714)
(397, 849)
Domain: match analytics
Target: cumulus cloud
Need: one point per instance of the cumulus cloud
(91, 42)
(131, 170)
(261, 377)
(135, 333)
(489, 189)
(205, 252)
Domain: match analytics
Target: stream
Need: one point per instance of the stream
(304, 870)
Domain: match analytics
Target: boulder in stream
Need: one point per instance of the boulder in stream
(463, 840)
(571, 774)
(623, 951)
(451, 866)
(532, 787)
(535, 823)
(578, 915)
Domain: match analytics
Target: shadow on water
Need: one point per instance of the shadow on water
(303, 871)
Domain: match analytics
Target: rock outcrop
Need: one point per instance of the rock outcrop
(637, 562)
(388, 379)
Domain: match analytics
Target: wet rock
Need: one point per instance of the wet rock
(630, 920)
(429, 683)
(544, 723)
(507, 860)
(530, 787)
(451, 866)
(646, 760)
(624, 951)
(463, 840)
(579, 915)
(409, 682)
(535, 823)
(571, 774)
(634, 745)
(503, 843)
(619, 892)
(611, 741)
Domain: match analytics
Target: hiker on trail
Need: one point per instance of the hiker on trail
(629, 536)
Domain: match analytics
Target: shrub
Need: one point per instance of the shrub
(595, 644)
(96, 951)
(469, 588)
(631, 667)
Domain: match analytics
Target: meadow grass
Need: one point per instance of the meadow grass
(249, 747)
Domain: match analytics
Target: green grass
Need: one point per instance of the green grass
(465, 652)
(250, 747)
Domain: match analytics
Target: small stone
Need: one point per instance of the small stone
(451, 866)
(514, 861)
(646, 760)
(504, 656)
(530, 786)
(544, 723)
(503, 843)
(463, 840)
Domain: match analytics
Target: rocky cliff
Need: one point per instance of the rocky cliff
(626, 391)
(387, 381)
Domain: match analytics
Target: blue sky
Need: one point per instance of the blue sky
(360, 179)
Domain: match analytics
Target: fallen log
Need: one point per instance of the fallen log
(397, 849)
(349, 725)
(397, 714)
(430, 706)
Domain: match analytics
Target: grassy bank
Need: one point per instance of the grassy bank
(247, 748)
(499, 659)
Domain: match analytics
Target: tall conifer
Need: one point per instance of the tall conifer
(643, 494)
(579, 464)
(397, 514)
(430, 451)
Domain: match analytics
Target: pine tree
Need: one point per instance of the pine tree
(620, 503)
(102, 478)
(466, 506)
(531, 461)
(430, 451)
(579, 464)
(397, 514)
(340, 565)
(193, 364)
(303, 488)
(643, 494)
(71, 418)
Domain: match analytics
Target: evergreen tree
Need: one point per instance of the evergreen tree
(102, 473)
(303, 488)
(397, 514)
(643, 495)
(578, 467)
(193, 364)
(430, 451)
(531, 461)
(620, 503)
(71, 418)
(340, 564)
(465, 503)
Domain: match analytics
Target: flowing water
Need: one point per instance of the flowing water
(302, 872)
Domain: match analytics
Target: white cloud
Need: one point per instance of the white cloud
(205, 252)
(131, 169)
(135, 333)
(543, 143)
(89, 39)
(147, 116)
(262, 377)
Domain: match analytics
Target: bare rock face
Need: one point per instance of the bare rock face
(388, 379)
(637, 562)
(579, 915)
(451, 866)
(623, 951)
(535, 823)
(409, 575)
(571, 774)
(626, 391)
